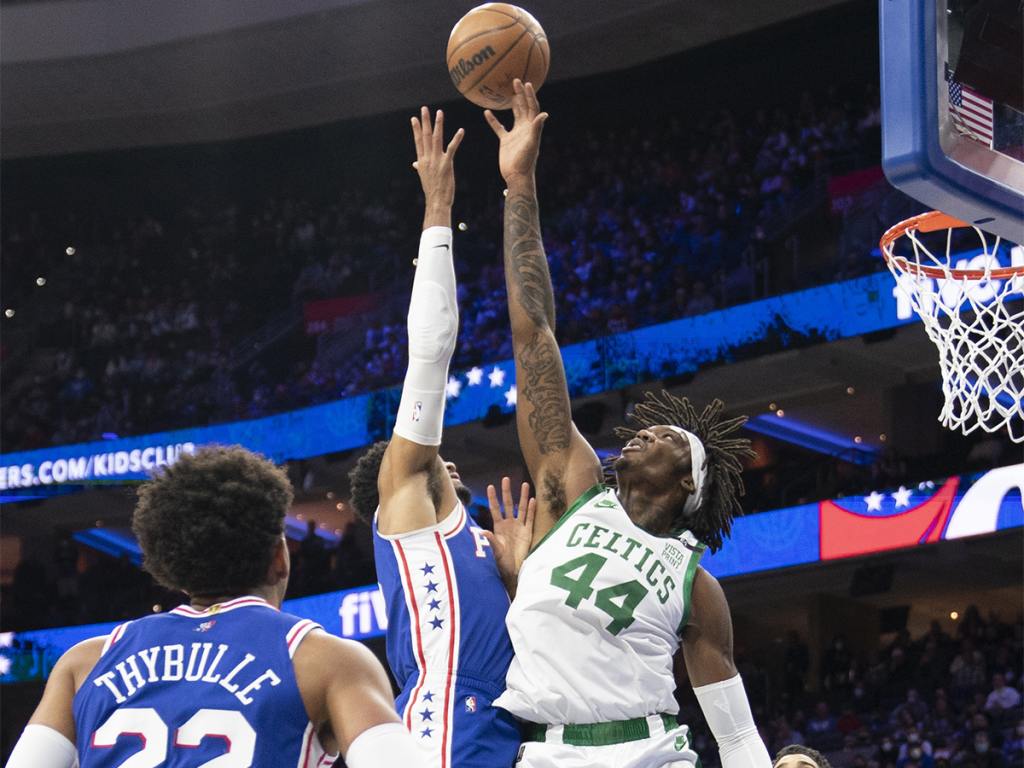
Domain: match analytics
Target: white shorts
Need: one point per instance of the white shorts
(669, 749)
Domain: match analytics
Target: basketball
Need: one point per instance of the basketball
(491, 46)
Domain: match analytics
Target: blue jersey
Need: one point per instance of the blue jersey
(446, 643)
(189, 688)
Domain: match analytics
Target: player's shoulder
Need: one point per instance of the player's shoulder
(709, 606)
(322, 657)
(78, 661)
(324, 649)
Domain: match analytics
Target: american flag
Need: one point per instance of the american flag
(971, 112)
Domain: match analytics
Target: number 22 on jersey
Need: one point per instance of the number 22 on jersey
(146, 724)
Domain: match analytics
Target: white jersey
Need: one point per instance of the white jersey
(597, 617)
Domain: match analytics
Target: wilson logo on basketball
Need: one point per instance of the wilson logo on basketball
(465, 66)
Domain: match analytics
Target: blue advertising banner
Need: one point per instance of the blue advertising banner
(356, 614)
(929, 512)
(829, 312)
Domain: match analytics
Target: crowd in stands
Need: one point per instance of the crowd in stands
(935, 701)
(147, 318)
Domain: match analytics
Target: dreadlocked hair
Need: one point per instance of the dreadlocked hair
(363, 482)
(723, 485)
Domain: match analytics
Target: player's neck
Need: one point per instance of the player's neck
(270, 594)
(651, 511)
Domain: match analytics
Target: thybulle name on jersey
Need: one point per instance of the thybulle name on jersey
(231, 670)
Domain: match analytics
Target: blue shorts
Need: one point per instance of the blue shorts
(475, 735)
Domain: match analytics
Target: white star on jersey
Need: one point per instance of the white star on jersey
(474, 376)
(496, 377)
(510, 397)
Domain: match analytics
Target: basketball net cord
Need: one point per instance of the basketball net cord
(974, 314)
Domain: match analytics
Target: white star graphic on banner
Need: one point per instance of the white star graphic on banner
(5, 665)
(497, 377)
(453, 388)
(474, 376)
(901, 497)
(510, 397)
(874, 501)
(6, 639)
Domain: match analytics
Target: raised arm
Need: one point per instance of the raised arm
(561, 462)
(414, 488)
(707, 651)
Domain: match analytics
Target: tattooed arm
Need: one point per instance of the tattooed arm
(561, 462)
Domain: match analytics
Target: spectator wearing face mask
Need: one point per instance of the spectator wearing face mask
(980, 754)
(914, 739)
(912, 753)
(887, 752)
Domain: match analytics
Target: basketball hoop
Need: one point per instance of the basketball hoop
(974, 313)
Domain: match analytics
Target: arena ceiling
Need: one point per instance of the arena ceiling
(87, 75)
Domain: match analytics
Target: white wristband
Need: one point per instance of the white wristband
(727, 712)
(40, 746)
(384, 745)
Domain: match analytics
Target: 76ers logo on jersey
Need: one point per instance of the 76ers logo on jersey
(479, 540)
(206, 626)
(471, 704)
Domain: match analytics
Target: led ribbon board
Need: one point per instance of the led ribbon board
(830, 312)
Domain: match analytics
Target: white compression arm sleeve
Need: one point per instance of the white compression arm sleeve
(40, 746)
(384, 745)
(727, 711)
(433, 328)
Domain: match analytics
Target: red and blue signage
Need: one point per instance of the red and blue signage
(880, 521)
(867, 524)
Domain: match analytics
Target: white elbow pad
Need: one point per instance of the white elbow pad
(384, 745)
(433, 329)
(40, 746)
(727, 712)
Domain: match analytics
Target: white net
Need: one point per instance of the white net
(973, 311)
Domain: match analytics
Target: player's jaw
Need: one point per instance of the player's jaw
(465, 495)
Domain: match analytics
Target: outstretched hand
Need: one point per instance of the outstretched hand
(519, 147)
(435, 163)
(513, 530)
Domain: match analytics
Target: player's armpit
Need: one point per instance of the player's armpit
(344, 688)
(414, 488)
(561, 462)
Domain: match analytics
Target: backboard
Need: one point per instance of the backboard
(953, 107)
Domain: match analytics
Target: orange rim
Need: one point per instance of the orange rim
(934, 221)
